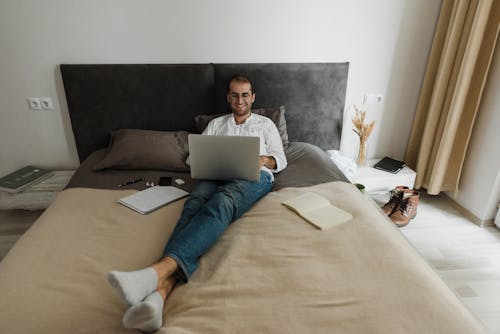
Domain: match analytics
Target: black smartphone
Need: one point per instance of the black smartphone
(165, 181)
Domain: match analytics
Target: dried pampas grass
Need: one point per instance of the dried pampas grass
(363, 131)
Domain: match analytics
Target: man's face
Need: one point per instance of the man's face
(240, 98)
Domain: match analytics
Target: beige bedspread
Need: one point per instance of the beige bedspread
(271, 272)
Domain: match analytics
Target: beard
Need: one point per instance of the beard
(242, 111)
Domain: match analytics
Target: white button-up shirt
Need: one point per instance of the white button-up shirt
(255, 126)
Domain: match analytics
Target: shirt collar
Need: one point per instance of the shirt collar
(233, 122)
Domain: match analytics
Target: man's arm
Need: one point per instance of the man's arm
(276, 159)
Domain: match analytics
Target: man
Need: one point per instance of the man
(211, 207)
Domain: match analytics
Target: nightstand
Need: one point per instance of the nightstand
(378, 183)
(38, 196)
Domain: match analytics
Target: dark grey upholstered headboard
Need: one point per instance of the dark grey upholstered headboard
(103, 98)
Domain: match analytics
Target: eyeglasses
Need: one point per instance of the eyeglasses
(244, 96)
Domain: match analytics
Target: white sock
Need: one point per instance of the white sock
(133, 286)
(147, 315)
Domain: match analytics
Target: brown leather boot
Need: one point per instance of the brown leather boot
(407, 209)
(393, 203)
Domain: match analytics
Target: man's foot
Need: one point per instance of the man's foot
(146, 316)
(134, 286)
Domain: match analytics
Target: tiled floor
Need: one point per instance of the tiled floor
(466, 256)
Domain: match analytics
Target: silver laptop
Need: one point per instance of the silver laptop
(224, 157)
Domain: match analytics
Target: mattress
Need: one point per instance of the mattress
(271, 272)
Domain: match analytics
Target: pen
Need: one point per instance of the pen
(130, 182)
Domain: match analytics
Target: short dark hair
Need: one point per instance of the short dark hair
(239, 78)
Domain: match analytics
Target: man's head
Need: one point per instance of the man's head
(240, 95)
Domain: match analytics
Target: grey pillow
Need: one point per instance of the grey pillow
(277, 115)
(144, 149)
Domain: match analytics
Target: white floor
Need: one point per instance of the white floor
(466, 256)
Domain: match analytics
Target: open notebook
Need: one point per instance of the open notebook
(152, 198)
(317, 210)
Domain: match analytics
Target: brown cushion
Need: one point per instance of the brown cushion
(202, 121)
(144, 149)
(277, 115)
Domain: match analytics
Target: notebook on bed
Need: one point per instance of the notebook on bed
(153, 198)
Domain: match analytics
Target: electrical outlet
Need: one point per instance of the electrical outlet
(373, 99)
(46, 103)
(34, 103)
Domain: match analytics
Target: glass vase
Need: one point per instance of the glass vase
(362, 151)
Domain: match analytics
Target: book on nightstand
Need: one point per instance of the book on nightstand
(389, 165)
(23, 178)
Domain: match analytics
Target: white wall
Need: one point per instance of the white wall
(479, 188)
(386, 42)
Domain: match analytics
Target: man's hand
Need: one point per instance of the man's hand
(267, 161)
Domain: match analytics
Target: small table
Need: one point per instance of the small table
(378, 182)
(38, 196)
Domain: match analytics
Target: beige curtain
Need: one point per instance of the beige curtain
(456, 72)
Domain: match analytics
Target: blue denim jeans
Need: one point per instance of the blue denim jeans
(210, 208)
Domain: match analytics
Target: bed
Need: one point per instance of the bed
(271, 272)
